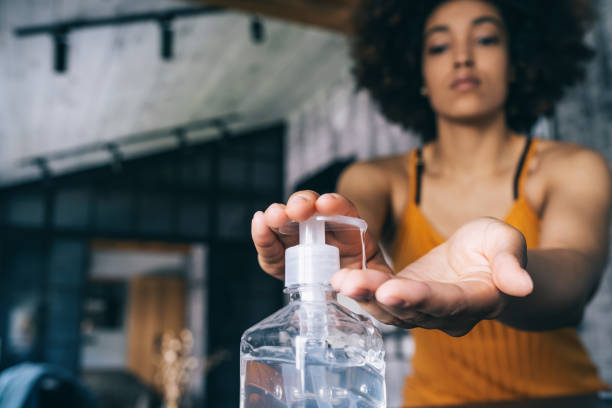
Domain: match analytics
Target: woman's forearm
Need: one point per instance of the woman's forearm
(564, 280)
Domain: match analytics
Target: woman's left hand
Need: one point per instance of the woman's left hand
(451, 288)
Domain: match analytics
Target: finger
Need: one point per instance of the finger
(359, 284)
(335, 204)
(510, 277)
(507, 251)
(437, 299)
(338, 279)
(301, 205)
(414, 310)
(379, 313)
(401, 295)
(270, 250)
(392, 297)
(276, 216)
(407, 317)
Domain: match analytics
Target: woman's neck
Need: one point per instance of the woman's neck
(472, 150)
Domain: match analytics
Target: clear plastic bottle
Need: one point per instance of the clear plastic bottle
(313, 352)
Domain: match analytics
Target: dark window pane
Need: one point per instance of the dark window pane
(196, 170)
(266, 176)
(155, 214)
(26, 208)
(193, 217)
(72, 208)
(233, 172)
(113, 211)
(67, 263)
(268, 145)
(233, 220)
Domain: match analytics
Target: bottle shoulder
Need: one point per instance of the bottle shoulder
(328, 321)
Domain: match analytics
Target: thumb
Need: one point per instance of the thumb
(509, 276)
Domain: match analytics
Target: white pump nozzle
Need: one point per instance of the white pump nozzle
(312, 261)
(312, 232)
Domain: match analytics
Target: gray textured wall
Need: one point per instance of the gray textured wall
(585, 117)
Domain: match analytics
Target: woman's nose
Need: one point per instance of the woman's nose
(467, 62)
(463, 57)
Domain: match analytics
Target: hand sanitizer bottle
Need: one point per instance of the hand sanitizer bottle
(313, 352)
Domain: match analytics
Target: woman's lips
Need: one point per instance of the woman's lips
(465, 84)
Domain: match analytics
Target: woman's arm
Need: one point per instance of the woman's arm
(567, 266)
(367, 187)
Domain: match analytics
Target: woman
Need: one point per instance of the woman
(498, 241)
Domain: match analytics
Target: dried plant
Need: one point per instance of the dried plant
(176, 366)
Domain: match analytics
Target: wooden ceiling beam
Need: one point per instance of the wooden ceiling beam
(332, 15)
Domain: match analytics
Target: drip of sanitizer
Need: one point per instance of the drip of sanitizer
(313, 353)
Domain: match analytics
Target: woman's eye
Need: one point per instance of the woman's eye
(491, 40)
(437, 49)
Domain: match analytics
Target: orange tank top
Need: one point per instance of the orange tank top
(493, 361)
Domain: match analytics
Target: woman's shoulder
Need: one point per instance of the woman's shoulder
(561, 162)
(384, 179)
(554, 155)
(386, 166)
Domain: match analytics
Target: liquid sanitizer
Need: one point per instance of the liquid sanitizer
(314, 352)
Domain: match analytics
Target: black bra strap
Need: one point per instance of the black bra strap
(519, 169)
(420, 165)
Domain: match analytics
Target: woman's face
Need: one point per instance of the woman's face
(465, 60)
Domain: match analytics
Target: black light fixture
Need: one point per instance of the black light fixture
(167, 38)
(222, 128)
(258, 32)
(116, 156)
(60, 47)
(181, 137)
(43, 165)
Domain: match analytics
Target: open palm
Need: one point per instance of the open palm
(451, 288)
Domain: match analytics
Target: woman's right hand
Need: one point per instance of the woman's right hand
(302, 205)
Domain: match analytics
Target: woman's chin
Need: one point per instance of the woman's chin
(472, 114)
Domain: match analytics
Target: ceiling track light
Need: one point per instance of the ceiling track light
(60, 50)
(181, 138)
(167, 38)
(258, 32)
(222, 128)
(43, 165)
(116, 156)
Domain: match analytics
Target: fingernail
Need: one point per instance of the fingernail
(362, 295)
(332, 196)
(338, 278)
(527, 282)
(394, 302)
(300, 197)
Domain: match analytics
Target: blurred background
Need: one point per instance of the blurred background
(138, 137)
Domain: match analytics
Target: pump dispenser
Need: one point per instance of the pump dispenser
(313, 352)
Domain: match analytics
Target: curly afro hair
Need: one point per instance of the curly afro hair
(546, 51)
